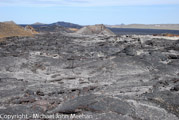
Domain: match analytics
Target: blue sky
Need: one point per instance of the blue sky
(88, 12)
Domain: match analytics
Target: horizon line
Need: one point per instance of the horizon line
(90, 24)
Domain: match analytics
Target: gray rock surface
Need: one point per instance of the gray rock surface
(102, 77)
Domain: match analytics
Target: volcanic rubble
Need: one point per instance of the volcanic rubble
(104, 77)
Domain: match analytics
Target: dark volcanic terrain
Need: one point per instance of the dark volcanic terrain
(97, 77)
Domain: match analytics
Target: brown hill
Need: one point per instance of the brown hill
(10, 22)
(9, 29)
(95, 29)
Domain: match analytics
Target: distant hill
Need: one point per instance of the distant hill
(67, 24)
(51, 28)
(38, 23)
(9, 29)
(95, 30)
(54, 27)
(148, 26)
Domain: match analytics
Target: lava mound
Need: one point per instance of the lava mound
(95, 30)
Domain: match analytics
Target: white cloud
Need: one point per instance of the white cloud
(85, 2)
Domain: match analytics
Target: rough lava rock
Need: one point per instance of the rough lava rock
(104, 77)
